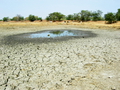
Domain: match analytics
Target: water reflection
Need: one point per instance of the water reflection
(56, 32)
(53, 34)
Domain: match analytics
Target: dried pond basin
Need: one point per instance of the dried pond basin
(47, 36)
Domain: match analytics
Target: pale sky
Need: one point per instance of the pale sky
(41, 8)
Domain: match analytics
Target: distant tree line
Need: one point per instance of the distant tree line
(84, 15)
(21, 18)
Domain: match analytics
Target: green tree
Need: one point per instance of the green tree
(70, 17)
(110, 17)
(48, 18)
(5, 19)
(26, 18)
(38, 18)
(97, 15)
(31, 18)
(55, 16)
(85, 15)
(118, 15)
(17, 18)
(76, 16)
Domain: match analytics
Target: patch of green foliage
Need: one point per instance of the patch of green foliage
(5, 19)
(97, 15)
(118, 15)
(70, 17)
(85, 15)
(38, 18)
(55, 16)
(17, 18)
(110, 17)
(31, 18)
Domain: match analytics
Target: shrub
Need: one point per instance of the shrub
(31, 18)
(5, 19)
(40, 18)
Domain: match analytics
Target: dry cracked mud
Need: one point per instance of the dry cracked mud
(75, 64)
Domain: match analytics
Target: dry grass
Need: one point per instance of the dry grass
(90, 24)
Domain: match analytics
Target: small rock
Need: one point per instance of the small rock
(38, 47)
(113, 88)
(83, 76)
(110, 77)
(48, 35)
(72, 78)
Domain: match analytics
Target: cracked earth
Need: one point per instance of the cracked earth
(76, 64)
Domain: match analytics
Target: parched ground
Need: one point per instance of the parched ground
(76, 64)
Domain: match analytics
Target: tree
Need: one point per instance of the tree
(31, 18)
(26, 19)
(70, 17)
(110, 17)
(5, 19)
(48, 18)
(38, 18)
(118, 15)
(97, 15)
(55, 16)
(76, 16)
(85, 15)
(17, 18)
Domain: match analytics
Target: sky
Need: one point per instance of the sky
(42, 8)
